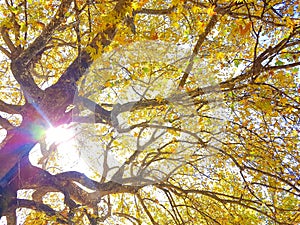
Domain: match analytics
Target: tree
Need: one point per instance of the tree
(193, 107)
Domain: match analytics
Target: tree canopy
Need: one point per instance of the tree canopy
(180, 111)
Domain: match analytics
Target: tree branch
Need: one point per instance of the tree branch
(29, 204)
(6, 124)
(6, 52)
(78, 177)
(8, 108)
(40, 42)
(155, 11)
(212, 22)
(100, 113)
(79, 66)
(19, 66)
(146, 210)
(286, 66)
(7, 40)
(231, 83)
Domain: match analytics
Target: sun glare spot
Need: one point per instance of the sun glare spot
(59, 135)
(67, 151)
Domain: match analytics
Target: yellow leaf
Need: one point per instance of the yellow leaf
(135, 5)
(196, 9)
(173, 150)
(290, 23)
(200, 26)
(210, 11)
(220, 55)
(295, 133)
(159, 98)
(283, 101)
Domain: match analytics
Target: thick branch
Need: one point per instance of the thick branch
(41, 41)
(17, 147)
(29, 204)
(79, 66)
(78, 177)
(20, 64)
(8, 108)
(7, 40)
(6, 124)
(6, 52)
(101, 114)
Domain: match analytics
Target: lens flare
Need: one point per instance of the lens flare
(59, 135)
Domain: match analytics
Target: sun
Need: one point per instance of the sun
(67, 151)
(59, 135)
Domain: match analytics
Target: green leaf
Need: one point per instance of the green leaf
(146, 69)
(236, 62)
(279, 63)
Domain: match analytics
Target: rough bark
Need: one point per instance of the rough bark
(45, 108)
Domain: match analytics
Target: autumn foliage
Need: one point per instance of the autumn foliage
(181, 112)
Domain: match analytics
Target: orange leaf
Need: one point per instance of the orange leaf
(246, 29)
